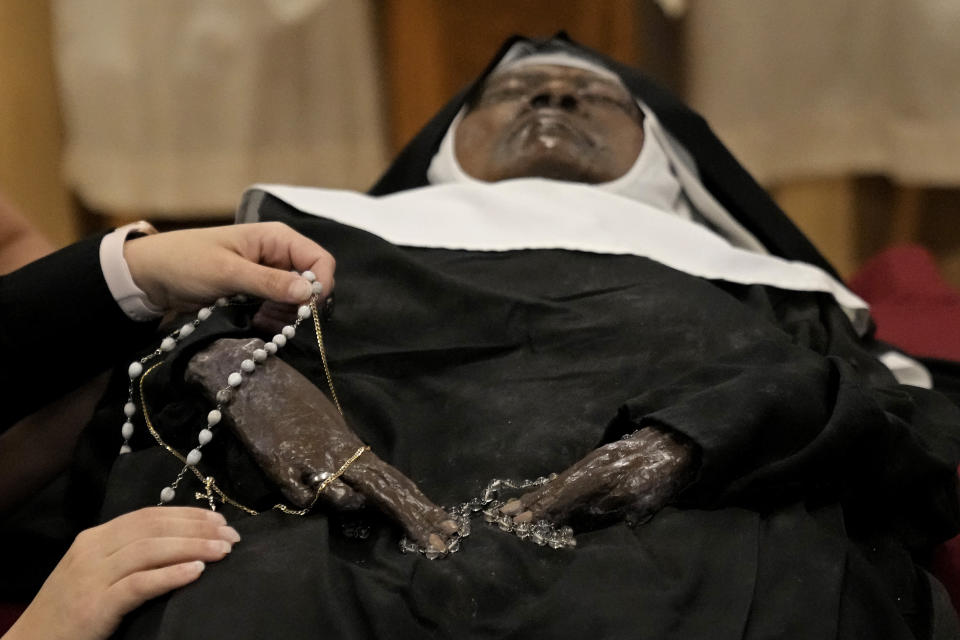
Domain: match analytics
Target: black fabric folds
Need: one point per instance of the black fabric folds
(821, 482)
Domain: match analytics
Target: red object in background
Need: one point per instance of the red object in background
(916, 310)
(912, 304)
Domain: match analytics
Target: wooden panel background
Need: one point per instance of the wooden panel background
(30, 128)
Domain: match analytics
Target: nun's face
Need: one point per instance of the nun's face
(550, 121)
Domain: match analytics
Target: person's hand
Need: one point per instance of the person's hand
(113, 568)
(297, 436)
(633, 477)
(185, 269)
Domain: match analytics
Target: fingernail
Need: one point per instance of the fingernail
(436, 543)
(299, 289)
(526, 516)
(229, 534)
(225, 546)
(449, 527)
(216, 517)
(512, 507)
(199, 565)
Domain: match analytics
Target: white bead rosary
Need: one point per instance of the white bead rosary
(234, 380)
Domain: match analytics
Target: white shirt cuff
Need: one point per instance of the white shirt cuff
(128, 295)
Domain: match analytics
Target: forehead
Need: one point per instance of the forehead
(537, 73)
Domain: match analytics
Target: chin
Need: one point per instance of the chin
(555, 168)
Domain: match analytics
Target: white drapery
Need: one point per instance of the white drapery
(810, 88)
(174, 107)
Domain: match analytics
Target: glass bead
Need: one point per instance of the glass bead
(248, 365)
(224, 396)
(279, 340)
(167, 344)
(125, 449)
(129, 409)
(134, 370)
(204, 436)
(204, 313)
(222, 302)
(126, 430)
(213, 418)
(260, 355)
(234, 379)
(304, 312)
(288, 332)
(186, 330)
(270, 347)
(316, 288)
(309, 276)
(193, 458)
(167, 495)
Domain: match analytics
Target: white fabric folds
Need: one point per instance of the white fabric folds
(534, 213)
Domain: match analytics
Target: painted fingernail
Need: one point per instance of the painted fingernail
(449, 527)
(512, 507)
(229, 534)
(436, 543)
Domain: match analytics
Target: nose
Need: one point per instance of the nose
(557, 96)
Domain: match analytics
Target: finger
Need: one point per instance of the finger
(129, 593)
(398, 497)
(153, 553)
(282, 247)
(270, 283)
(157, 522)
(341, 496)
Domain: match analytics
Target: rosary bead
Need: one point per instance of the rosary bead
(248, 365)
(317, 288)
(288, 332)
(270, 347)
(224, 396)
(204, 313)
(129, 409)
(167, 494)
(194, 457)
(204, 436)
(186, 330)
(125, 449)
(126, 430)
(304, 312)
(259, 355)
(234, 379)
(213, 418)
(134, 370)
(167, 344)
(279, 340)
(222, 302)
(309, 276)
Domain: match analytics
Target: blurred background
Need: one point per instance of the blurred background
(848, 111)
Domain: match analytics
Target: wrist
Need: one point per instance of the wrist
(126, 288)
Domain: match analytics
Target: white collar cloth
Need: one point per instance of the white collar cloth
(535, 213)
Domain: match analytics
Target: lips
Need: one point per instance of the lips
(544, 124)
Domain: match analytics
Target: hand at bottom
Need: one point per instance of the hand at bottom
(113, 568)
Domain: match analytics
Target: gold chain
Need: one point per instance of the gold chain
(210, 485)
(323, 354)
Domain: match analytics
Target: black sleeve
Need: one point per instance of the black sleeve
(777, 421)
(59, 327)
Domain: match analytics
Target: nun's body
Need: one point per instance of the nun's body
(804, 483)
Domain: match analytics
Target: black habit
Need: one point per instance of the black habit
(821, 483)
